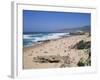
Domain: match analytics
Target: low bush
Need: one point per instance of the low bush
(82, 45)
(81, 62)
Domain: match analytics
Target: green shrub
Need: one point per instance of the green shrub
(87, 44)
(88, 62)
(81, 62)
(82, 45)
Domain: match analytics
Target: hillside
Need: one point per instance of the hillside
(83, 28)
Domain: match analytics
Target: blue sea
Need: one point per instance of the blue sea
(30, 39)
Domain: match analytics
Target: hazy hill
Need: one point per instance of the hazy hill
(83, 28)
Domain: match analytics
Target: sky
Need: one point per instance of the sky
(47, 21)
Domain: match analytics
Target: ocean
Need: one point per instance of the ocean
(30, 39)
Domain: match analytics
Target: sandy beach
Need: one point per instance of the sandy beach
(57, 53)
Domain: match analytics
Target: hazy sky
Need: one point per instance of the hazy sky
(47, 21)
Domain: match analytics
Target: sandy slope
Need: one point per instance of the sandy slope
(58, 48)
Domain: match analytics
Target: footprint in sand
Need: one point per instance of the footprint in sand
(64, 50)
(40, 49)
(36, 52)
(30, 54)
(45, 52)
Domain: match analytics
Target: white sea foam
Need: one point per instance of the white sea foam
(34, 38)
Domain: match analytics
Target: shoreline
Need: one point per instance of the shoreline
(48, 40)
(53, 53)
